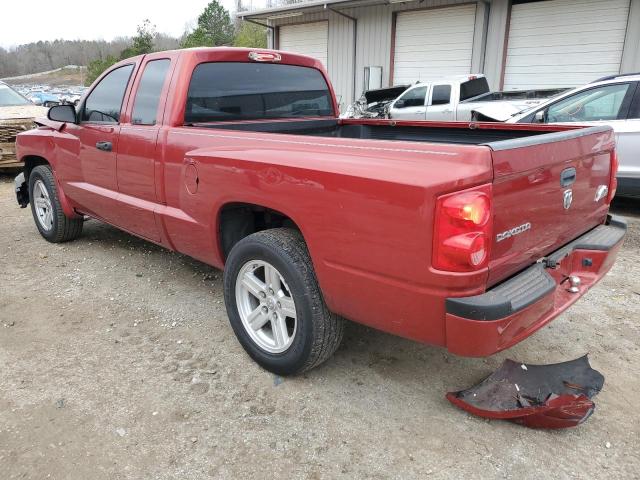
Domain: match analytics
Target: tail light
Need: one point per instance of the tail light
(613, 181)
(462, 234)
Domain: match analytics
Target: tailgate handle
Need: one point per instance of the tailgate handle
(568, 176)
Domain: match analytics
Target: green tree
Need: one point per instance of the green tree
(214, 28)
(142, 43)
(250, 35)
(97, 66)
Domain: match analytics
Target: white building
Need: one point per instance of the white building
(518, 44)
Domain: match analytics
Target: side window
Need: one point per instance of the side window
(105, 101)
(145, 106)
(634, 110)
(599, 103)
(441, 95)
(413, 98)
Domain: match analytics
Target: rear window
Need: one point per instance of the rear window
(473, 88)
(246, 91)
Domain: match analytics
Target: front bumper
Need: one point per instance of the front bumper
(482, 325)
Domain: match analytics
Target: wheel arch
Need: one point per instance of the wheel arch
(237, 220)
(33, 161)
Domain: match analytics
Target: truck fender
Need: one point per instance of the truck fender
(30, 163)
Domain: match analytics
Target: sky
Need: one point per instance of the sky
(25, 22)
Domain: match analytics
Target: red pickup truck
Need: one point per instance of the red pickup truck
(470, 236)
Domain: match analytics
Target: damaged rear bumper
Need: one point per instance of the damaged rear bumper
(537, 396)
(484, 324)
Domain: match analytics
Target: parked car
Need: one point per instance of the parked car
(374, 103)
(16, 115)
(43, 98)
(612, 101)
(458, 97)
(469, 238)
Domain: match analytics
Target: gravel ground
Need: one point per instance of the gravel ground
(117, 362)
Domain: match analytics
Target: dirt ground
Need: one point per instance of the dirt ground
(117, 362)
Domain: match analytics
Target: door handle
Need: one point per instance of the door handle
(104, 146)
(568, 176)
(419, 111)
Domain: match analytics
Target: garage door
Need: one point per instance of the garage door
(307, 39)
(564, 43)
(432, 43)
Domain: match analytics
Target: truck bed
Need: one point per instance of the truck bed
(451, 133)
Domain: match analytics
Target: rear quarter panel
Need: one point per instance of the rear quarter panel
(365, 209)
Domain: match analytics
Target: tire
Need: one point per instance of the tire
(55, 227)
(313, 335)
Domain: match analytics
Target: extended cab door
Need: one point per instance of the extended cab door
(137, 158)
(90, 174)
(440, 107)
(410, 105)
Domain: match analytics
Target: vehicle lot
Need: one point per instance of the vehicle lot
(117, 361)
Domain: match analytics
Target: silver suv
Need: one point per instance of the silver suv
(613, 101)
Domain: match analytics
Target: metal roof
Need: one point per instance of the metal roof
(272, 13)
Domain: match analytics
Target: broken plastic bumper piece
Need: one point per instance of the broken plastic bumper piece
(537, 396)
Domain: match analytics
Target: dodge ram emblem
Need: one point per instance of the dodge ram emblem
(567, 198)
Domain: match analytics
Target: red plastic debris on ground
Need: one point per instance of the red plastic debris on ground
(537, 396)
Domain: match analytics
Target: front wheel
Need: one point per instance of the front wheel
(275, 305)
(47, 212)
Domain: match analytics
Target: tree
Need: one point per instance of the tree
(214, 28)
(142, 43)
(251, 35)
(97, 66)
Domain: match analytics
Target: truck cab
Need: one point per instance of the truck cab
(437, 100)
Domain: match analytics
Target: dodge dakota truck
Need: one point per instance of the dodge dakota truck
(470, 236)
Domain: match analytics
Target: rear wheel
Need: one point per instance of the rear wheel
(275, 305)
(47, 212)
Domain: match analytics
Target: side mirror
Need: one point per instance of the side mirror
(539, 117)
(399, 104)
(62, 113)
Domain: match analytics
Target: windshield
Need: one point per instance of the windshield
(11, 98)
(247, 91)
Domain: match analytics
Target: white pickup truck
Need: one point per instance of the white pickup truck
(457, 98)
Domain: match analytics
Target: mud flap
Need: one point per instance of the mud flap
(537, 396)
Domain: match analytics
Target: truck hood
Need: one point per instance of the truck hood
(16, 112)
(499, 112)
(385, 94)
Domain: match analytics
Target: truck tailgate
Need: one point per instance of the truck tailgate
(546, 193)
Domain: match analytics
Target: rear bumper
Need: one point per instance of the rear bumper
(484, 324)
